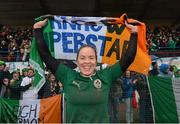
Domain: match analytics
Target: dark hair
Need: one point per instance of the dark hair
(86, 45)
(154, 63)
(31, 69)
(14, 72)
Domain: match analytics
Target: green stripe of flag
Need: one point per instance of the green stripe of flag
(163, 98)
(35, 59)
(8, 110)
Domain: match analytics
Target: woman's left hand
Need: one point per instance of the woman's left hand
(131, 27)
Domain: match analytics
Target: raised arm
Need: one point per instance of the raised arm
(130, 53)
(44, 52)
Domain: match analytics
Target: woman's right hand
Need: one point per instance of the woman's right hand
(40, 24)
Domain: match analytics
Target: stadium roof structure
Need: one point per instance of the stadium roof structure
(23, 12)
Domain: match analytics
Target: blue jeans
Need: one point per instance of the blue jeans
(129, 110)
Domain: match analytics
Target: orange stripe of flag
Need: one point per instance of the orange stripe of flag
(50, 110)
(142, 60)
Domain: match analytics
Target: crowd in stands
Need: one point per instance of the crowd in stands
(163, 38)
(15, 43)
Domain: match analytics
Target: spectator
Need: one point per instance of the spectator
(24, 72)
(27, 81)
(171, 70)
(171, 43)
(25, 51)
(141, 88)
(177, 73)
(115, 97)
(50, 88)
(155, 70)
(3, 49)
(4, 78)
(13, 50)
(128, 89)
(164, 68)
(13, 87)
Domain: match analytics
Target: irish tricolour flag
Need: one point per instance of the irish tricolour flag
(64, 35)
(165, 95)
(31, 111)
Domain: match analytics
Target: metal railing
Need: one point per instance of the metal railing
(15, 57)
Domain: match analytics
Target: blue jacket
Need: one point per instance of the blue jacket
(128, 87)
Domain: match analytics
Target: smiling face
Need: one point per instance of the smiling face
(87, 60)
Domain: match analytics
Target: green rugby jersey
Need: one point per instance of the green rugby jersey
(87, 97)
